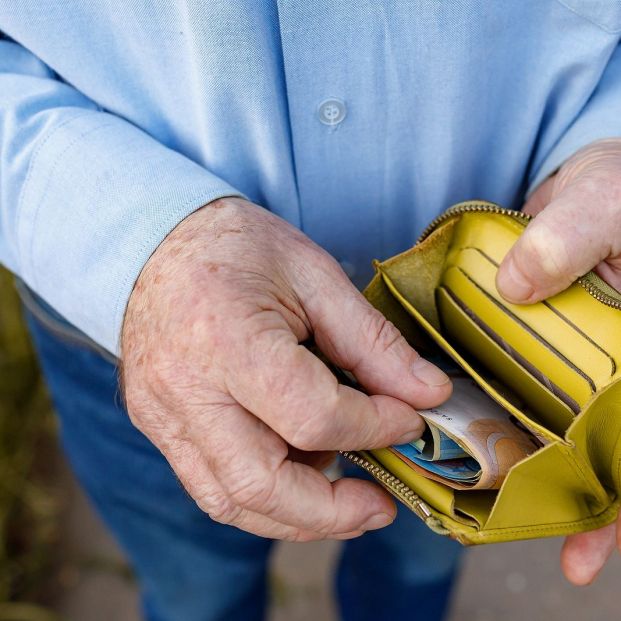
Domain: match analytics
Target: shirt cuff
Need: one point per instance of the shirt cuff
(99, 198)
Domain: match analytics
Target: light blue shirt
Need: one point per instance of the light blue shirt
(356, 120)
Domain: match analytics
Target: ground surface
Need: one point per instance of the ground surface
(508, 582)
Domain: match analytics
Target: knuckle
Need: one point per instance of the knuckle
(305, 429)
(220, 508)
(318, 426)
(281, 381)
(383, 332)
(254, 490)
(312, 434)
(148, 415)
(546, 250)
(135, 403)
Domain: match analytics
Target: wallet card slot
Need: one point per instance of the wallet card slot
(535, 427)
(476, 504)
(561, 371)
(534, 334)
(558, 313)
(609, 364)
(561, 333)
(580, 308)
(563, 317)
(514, 355)
(545, 404)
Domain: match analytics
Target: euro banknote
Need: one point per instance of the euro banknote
(471, 442)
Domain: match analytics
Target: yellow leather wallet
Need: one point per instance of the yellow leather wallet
(553, 366)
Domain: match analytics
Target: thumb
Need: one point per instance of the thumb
(561, 244)
(357, 337)
(584, 554)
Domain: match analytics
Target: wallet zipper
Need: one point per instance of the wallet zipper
(601, 290)
(410, 498)
(595, 286)
(392, 483)
(472, 207)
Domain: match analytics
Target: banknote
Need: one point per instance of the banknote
(464, 469)
(434, 445)
(471, 441)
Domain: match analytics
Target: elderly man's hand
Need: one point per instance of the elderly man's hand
(579, 229)
(215, 375)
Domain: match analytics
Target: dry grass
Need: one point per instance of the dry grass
(28, 511)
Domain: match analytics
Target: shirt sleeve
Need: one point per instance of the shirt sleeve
(85, 196)
(599, 118)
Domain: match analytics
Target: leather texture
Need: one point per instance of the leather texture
(554, 365)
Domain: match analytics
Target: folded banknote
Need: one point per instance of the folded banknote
(470, 442)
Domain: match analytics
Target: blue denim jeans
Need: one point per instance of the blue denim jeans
(191, 568)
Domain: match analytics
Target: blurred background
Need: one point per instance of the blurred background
(58, 563)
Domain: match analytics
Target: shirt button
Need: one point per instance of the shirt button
(331, 111)
(349, 268)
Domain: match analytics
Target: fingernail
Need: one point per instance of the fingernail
(429, 373)
(511, 283)
(377, 521)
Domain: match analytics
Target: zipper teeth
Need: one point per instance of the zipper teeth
(599, 295)
(485, 207)
(472, 206)
(399, 488)
(388, 479)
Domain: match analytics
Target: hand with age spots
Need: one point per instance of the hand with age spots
(577, 229)
(215, 375)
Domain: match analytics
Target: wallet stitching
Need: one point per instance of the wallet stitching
(595, 519)
(558, 313)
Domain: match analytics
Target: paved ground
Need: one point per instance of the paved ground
(508, 582)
